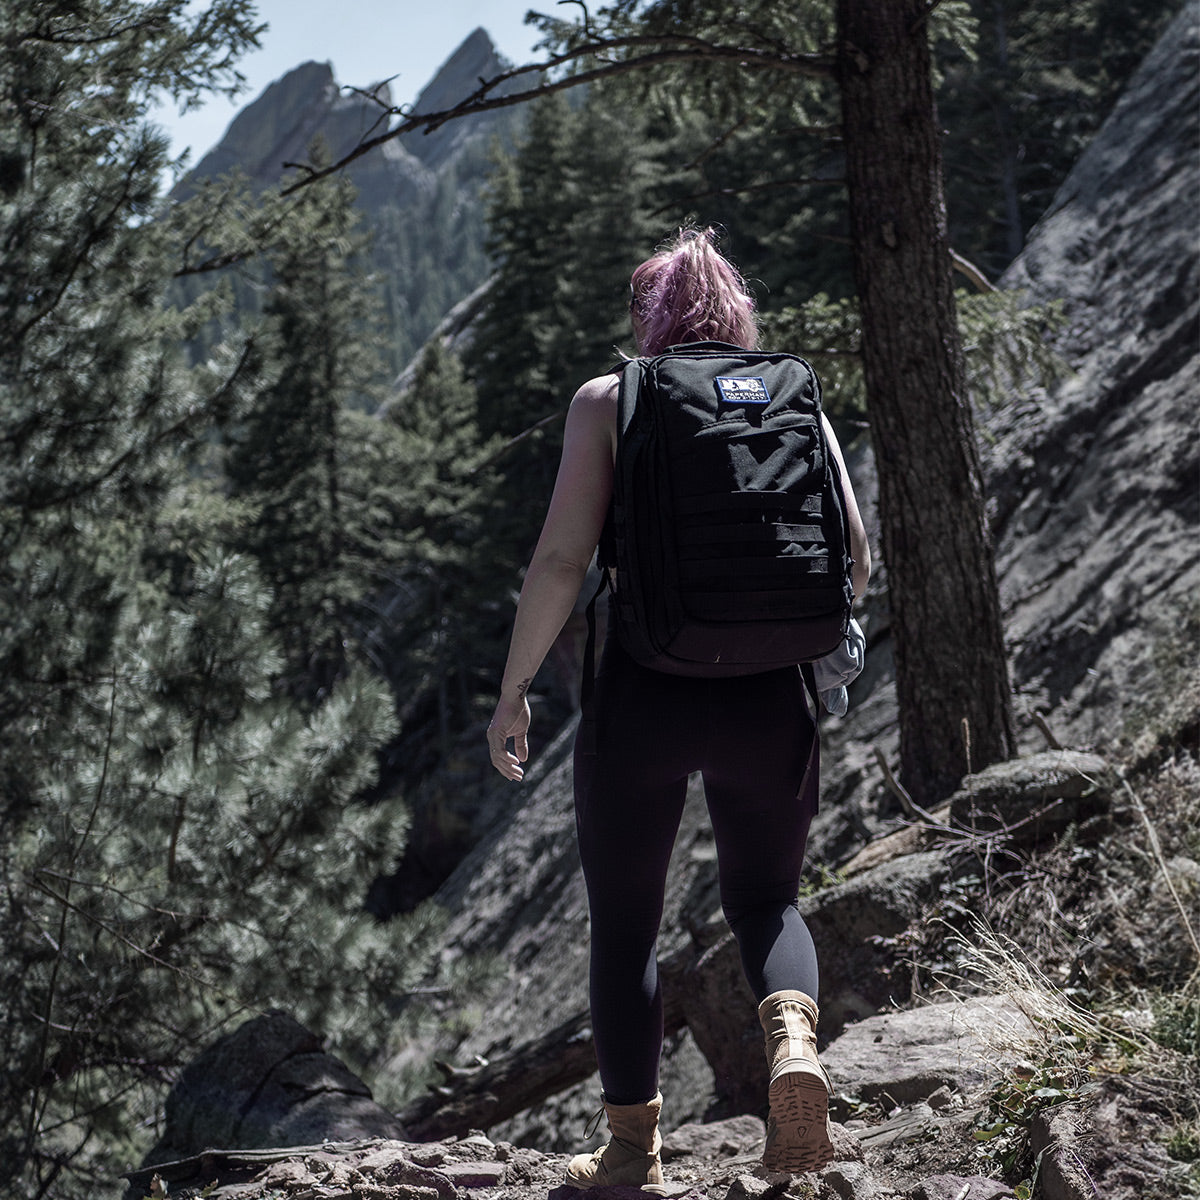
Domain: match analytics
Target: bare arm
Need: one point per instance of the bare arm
(860, 551)
(569, 535)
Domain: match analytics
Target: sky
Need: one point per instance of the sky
(366, 41)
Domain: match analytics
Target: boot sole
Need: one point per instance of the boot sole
(799, 1116)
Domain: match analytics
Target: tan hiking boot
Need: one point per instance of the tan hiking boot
(630, 1157)
(797, 1128)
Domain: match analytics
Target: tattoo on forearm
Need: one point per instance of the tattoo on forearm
(523, 687)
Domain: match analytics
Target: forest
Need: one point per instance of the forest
(253, 598)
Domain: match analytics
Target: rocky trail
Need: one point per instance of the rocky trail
(908, 1132)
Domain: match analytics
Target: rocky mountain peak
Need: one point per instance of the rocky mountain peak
(475, 59)
(427, 252)
(280, 124)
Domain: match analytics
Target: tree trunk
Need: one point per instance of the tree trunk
(951, 672)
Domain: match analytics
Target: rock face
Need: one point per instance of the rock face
(426, 250)
(279, 126)
(1114, 1136)
(1097, 485)
(458, 77)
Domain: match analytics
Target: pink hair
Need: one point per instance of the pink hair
(689, 292)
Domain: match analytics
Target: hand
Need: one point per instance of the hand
(510, 720)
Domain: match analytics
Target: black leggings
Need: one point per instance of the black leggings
(750, 738)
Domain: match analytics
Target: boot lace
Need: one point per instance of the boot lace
(593, 1123)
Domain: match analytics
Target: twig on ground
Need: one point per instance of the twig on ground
(911, 808)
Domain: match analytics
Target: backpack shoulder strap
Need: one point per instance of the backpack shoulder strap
(631, 383)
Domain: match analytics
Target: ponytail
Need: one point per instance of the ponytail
(689, 292)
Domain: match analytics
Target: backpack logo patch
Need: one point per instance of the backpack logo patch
(738, 389)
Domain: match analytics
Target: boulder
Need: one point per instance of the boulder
(901, 1058)
(858, 973)
(959, 1187)
(716, 1140)
(850, 922)
(1035, 798)
(1111, 1144)
(268, 1083)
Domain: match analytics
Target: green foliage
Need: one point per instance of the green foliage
(568, 222)
(714, 144)
(425, 252)
(1007, 345)
(1002, 1128)
(1184, 1145)
(1022, 104)
(436, 623)
(1177, 1024)
(429, 253)
(200, 565)
(823, 878)
(755, 151)
(187, 842)
(294, 456)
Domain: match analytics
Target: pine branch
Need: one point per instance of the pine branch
(36, 1112)
(824, 131)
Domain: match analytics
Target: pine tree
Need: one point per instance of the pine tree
(184, 842)
(1021, 106)
(438, 622)
(568, 223)
(291, 459)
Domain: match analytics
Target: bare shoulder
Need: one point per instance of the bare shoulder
(593, 410)
(599, 393)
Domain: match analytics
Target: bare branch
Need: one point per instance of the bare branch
(36, 1111)
(1039, 719)
(372, 94)
(181, 972)
(660, 50)
(517, 439)
(972, 272)
(911, 808)
(587, 16)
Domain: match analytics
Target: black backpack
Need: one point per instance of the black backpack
(728, 528)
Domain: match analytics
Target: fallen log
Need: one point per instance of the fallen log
(491, 1091)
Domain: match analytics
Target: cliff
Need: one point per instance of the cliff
(420, 194)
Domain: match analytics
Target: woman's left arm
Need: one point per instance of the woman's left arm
(568, 540)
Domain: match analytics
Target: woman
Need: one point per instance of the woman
(652, 731)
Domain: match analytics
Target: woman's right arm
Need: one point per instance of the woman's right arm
(860, 550)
